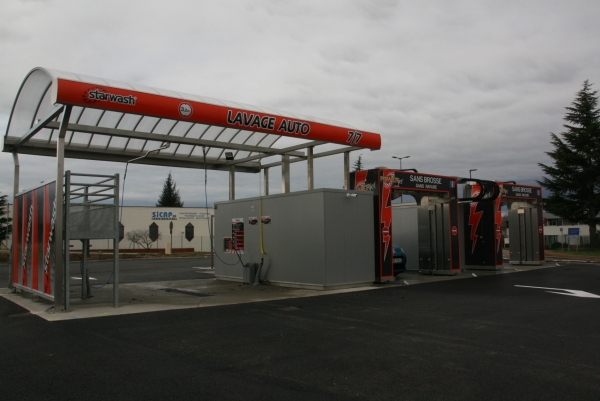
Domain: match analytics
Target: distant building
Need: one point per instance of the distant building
(141, 217)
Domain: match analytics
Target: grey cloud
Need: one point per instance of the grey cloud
(454, 84)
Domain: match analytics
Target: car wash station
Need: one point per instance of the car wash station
(317, 238)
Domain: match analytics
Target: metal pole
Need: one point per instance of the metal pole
(232, 182)
(310, 167)
(59, 267)
(16, 176)
(15, 192)
(116, 247)
(85, 282)
(285, 174)
(212, 247)
(346, 170)
(67, 241)
(266, 180)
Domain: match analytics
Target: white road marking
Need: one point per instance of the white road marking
(573, 293)
(203, 268)
(79, 278)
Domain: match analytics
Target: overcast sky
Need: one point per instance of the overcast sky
(456, 85)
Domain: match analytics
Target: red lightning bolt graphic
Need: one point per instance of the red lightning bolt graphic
(474, 218)
(385, 237)
(498, 223)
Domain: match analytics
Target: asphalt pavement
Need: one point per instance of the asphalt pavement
(132, 270)
(529, 335)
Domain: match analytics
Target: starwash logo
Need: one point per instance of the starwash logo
(185, 110)
(363, 186)
(390, 180)
(474, 218)
(99, 94)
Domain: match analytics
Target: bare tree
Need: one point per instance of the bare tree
(141, 238)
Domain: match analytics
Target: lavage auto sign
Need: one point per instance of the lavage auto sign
(164, 216)
(250, 120)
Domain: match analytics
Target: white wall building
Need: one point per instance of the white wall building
(140, 217)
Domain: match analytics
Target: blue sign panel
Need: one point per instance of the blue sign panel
(574, 231)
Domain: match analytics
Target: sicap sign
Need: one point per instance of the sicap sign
(164, 216)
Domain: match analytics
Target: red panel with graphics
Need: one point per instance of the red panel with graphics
(34, 223)
(129, 101)
(482, 235)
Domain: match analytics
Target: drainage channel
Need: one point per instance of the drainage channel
(187, 292)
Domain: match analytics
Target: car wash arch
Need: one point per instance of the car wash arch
(482, 227)
(438, 226)
(66, 115)
(525, 223)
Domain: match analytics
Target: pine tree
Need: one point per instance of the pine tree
(358, 164)
(574, 180)
(5, 226)
(170, 194)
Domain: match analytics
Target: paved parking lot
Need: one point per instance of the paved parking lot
(507, 336)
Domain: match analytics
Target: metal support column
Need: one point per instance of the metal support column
(15, 192)
(212, 237)
(116, 246)
(67, 241)
(285, 174)
(346, 170)
(59, 267)
(16, 176)
(85, 279)
(232, 182)
(309, 166)
(266, 180)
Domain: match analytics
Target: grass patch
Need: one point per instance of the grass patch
(582, 252)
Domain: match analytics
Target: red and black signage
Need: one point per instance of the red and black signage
(33, 231)
(129, 101)
(483, 235)
(237, 234)
(383, 182)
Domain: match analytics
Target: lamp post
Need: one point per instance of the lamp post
(470, 171)
(400, 159)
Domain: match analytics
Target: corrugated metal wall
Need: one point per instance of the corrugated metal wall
(316, 238)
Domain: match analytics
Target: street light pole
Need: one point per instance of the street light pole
(400, 159)
(470, 171)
